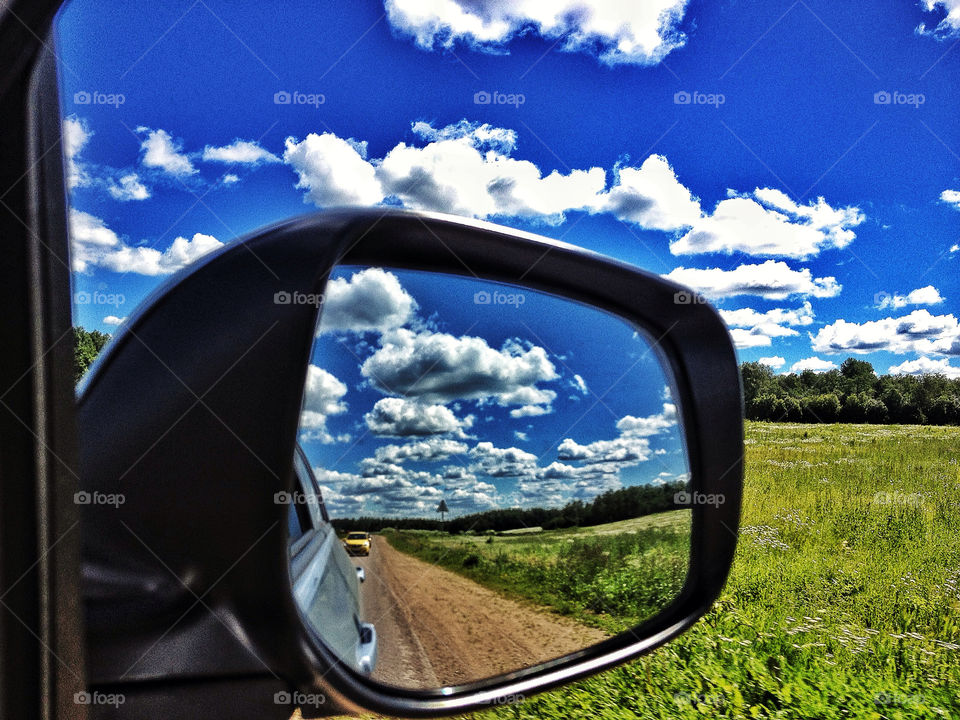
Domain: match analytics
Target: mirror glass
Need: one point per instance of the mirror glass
(491, 477)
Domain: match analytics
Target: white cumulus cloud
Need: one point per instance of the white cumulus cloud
(333, 171)
(322, 397)
(161, 151)
(128, 187)
(579, 384)
(641, 33)
(924, 366)
(93, 244)
(812, 363)
(372, 299)
(773, 279)
(502, 462)
(751, 328)
(951, 197)
(400, 417)
(439, 367)
(919, 332)
(928, 295)
(239, 152)
(624, 449)
(769, 224)
(467, 169)
(631, 426)
(949, 25)
(652, 197)
(430, 449)
(150, 261)
(76, 135)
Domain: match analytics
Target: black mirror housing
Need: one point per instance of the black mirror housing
(191, 418)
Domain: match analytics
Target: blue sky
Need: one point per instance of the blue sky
(426, 387)
(797, 163)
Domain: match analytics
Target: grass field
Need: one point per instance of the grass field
(611, 577)
(844, 600)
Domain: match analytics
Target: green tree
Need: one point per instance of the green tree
(895, 402)
(86, 347)
(854, 408)
(876, 411)
(859, 375)
(792, 410)
(823, 408)
(830, 382)
(808, 381)
(758, 379)
(764, 407)
(945, 410)
(933, 387)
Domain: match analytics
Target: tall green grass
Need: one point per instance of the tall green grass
(610, 581)
(844, 599)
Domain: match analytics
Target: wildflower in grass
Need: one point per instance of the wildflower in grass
(764, 536)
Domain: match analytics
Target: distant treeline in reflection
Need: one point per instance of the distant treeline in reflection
(611, 506)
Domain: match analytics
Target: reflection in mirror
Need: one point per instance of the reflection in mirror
(504, 467)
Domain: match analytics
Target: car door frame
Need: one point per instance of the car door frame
(41, 647)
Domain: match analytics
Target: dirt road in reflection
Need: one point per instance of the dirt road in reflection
(437, 628)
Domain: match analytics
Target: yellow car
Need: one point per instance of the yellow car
(357, 543)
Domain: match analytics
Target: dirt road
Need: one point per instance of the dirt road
(436, 628)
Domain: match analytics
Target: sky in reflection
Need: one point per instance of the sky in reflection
(426, 387)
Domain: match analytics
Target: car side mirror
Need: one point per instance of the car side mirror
(189, 422)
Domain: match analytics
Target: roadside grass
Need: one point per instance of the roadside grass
(843, 602)
(610, 577)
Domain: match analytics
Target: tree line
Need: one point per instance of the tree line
(852, 394)
(611, 506)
